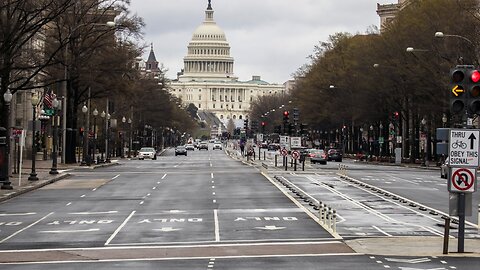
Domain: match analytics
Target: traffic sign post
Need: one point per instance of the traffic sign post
(295, 156)
(284, 153)
(463, 154)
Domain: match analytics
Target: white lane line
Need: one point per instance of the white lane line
(29, 226)
(68, 204)
(141, 202)
(213, 186)
(158, 182)
(93, 213)
(382, 231)
(211, 165)
(71, 231)
(17, 214)
(116, 176)
(213, 193)
(163, 177)
(213, 182)
(94, 189)
(214, 201)
(83, 196)
(217, 229)
(148, 194)
(212, 175)
(154, 188)
(119, 228)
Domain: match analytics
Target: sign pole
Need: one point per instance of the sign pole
(461, 222)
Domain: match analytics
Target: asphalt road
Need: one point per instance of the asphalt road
(205, 210)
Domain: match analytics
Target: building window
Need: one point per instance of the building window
(199, 97)
(199, 105)
(240, 117)
(213, 106)
(240, 106)
(221, 116)
(234, 117)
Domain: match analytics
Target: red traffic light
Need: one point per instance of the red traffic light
(475, 76)
(286, 113)
(264, 124)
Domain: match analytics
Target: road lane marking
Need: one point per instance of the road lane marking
(167, 229)
(17, 214)
(93, 213)
(154, 188)
(141, 202)
(71, 231)
(382, 231)
(116, 176)
(214, 201)
(213, 193)
(217, 227)
(212, 175)
(68, 204)
(83, 196)
(119, 228)
(158, 182)
(29, 226)
(163, 177)
(213, 186)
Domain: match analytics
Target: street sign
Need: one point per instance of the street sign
(381, 140)
(462, 180)
(284, 152)
(295, 154)
(284, 142)
(463, 147)
(295, 142)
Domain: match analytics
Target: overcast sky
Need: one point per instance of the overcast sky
(269, 38)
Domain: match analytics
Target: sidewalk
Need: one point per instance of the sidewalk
(42, 168)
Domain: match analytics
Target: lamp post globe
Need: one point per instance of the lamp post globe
(85, 137)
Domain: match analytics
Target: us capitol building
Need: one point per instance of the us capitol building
(208, 81)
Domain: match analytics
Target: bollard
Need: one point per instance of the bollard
(334, 222)
(303, 165)
(275, 161)
(320, 212)
(328, 224)
(264, 155)
(446, 234)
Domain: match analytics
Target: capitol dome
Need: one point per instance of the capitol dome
(208, 56)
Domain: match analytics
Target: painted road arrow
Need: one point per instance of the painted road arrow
(270, 228)
(456, 90)
(167, 229)
(412, 261)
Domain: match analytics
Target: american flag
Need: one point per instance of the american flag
(48, 99)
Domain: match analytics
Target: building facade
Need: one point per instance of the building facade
(208, 81)
(388, 12)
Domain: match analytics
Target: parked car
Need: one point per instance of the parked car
(147, 152)
(334, 154)
(217, 145)
(317, 156)
(189, 146)
(180, 150)
(203, 145)
(273, 147)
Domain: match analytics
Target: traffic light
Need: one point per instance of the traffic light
(254, 126)
(81, 131)
(464, 90)
(303, 129)
(245, 124)
(291, 129)
(295, 114)
(264, 124)
(285, 116)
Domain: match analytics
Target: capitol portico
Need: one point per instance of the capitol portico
(208, 81)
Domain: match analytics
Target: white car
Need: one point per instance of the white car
(217, 145)
(189, 146)
(147, 152)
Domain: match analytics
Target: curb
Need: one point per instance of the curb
(34, 187)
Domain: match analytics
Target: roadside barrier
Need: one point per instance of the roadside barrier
(327, 216)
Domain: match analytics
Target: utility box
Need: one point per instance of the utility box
(398, 155)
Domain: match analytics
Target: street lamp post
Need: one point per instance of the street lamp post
(444, 120)
(33, 174)
(95, 114)
(104, 132)
(122, 155)
(55, 124)
(85, 137)
(129, 137)
(380, 136)
(7, 97)
(424, 144)
(371, 140)
(107, 138)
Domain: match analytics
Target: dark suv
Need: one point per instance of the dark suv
(335, 155)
